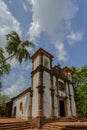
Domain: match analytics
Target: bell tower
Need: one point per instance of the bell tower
(43, 58)
(41, 66)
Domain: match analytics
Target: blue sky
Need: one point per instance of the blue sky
(58, 26)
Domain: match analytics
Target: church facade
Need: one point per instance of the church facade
(51, 94)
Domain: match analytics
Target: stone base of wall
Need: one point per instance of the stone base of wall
(37, 122)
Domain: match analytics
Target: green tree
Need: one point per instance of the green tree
(16, 47)
(4, 67)
(81, 99)
(3, 99)
(80, 74)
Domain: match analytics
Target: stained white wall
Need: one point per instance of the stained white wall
(46, 58)
(36, 62)
(55, 98)
(71, 90)
(68, 101)
(62, 94)
(72, 101)
(54, 84)
(56, 106)
(67, 91)
(25, 99)
(35, 95)
(69, 76)
(47, 94)
(61, 80)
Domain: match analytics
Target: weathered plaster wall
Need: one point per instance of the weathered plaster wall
(56, 106)
(54, 84)
(68, 101)
(69, 76)
(25, 99)
(72, 101)
(62, 94)
(55, 98)
(36, 62)
(46, 58)
(47, 94)
(61, 80)
(35, 95)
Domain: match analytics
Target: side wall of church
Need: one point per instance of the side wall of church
(22, 106)
(35, 95)
(47, 94)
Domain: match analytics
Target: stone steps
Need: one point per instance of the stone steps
(78, 127)
(15, 125)
(52, 126)
(57, 126)
(63, 119)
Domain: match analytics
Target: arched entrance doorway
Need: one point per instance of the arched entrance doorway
(62, 108)
(14, 112)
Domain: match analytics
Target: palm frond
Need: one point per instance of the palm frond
(18, 47)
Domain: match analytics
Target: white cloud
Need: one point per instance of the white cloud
(13, 62)
(74, 37)
(26, 5)
(7, 23)
(34, 31)
(26, 66)
(9, 80)
(16, 87)
(53, 17)
(61, 52)
(16, 80)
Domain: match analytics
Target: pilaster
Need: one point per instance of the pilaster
(66, 104)
(40, 100)
(31, 95)
(40, 88)
(52, 100)
(70, 99)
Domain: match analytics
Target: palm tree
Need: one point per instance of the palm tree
(16, 47)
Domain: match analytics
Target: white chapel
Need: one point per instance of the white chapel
(51, 95)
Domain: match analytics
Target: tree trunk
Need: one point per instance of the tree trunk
(7, 58)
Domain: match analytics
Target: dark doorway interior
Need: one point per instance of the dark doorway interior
(14, 111)
(62, 108)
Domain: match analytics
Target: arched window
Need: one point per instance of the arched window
(46, 63)
(21, 107)
(61, 86)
